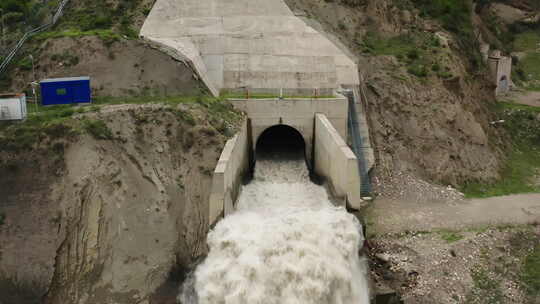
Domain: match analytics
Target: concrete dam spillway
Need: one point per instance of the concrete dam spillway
(258, 45)
(285, 243)
(280, 238)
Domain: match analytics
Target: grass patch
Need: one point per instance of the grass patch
(450, 236)
(107, 35)
(418, 52)
(523, 162)
(485, 289)
(530, 277)
(220, 111)
(55, 122)
(50, 123)
(98, 129)
(521, 166)
(530, 67)
(528, 41)
(455, 16)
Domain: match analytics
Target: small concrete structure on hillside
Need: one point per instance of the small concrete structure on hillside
(13, 107)
(500, 68)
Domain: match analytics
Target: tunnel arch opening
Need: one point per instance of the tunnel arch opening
(280, 142)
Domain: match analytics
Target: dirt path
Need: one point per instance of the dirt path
(529, 98)
(392, 215)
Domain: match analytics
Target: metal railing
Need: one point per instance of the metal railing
(358, 146)
(31, 33)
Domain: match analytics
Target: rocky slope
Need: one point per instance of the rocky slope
(428, 108)
(91, 220)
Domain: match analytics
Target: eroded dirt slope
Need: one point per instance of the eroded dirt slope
(109, 220)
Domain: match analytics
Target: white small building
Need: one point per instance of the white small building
(12, 106)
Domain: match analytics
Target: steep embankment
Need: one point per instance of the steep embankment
(428, 96)
(100, 39)
(94, 212)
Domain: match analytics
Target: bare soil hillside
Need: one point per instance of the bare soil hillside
(122, 68)
(111, 212)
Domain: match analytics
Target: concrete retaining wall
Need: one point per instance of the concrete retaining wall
(336, 161)
(182, 49)
(294, 112)
(231, 167)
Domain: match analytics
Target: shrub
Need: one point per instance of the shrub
(418, 70)
(531, 273)
(98, 129)
(25, 64)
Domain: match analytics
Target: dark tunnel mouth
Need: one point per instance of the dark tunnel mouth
(280, 142)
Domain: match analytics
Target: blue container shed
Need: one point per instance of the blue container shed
(56, 91)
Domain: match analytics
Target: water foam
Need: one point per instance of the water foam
(286, 243)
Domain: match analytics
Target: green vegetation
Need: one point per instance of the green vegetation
(50, 123)
(101, 15)
(527, 41)
(450, 236)
(98, 129)
(221, 112)
(531, 273)
(520, 167)
(530, 67)
(55, 122)
(25, 64)
(107, 35)
(2, 218)
(523, 162)
(455, 17)
(186, 116)
(28, 12)
(420, 61)
(486, 289)
(527, 70)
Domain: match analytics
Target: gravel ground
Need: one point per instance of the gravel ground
(431, 245)
(429, 268)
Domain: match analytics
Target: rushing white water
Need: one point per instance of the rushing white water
(286, 244)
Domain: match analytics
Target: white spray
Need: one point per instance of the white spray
(285, 244)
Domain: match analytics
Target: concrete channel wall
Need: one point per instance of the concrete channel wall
(336, 161)
(232, 166)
